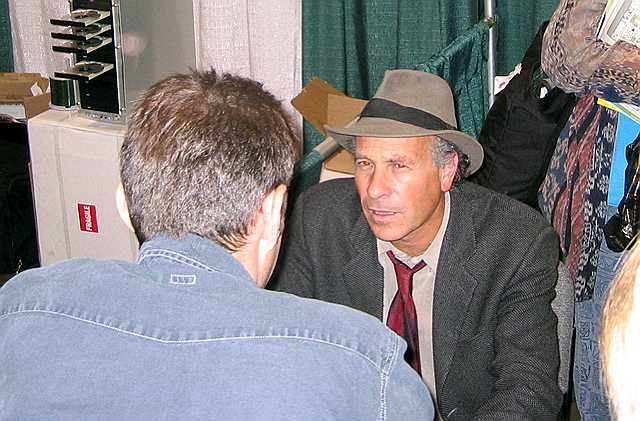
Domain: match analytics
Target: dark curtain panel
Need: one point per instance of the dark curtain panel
(6, 48)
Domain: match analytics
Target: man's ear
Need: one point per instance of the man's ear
(123, 209)
(448, 174)
(273, 208)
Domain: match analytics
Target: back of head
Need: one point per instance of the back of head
(200, 153)
(620, 341)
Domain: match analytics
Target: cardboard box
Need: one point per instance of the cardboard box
(23, 95)
(341, 110)
(75, 171)
(320, 104)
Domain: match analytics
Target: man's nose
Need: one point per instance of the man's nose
(378, 184)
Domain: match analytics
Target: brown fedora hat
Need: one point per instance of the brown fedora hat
(410, 103)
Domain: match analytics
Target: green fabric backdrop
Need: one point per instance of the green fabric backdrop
(350, 43)
(6, 49)
(462, 64)
(518, 23)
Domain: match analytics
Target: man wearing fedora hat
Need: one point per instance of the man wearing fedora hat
(466, 276)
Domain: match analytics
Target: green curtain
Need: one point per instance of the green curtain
(350, 43)
(462, 64)
(518, 23)
(6, 48)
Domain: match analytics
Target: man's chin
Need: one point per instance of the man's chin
(384, 233)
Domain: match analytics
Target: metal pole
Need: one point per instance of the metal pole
(490, 19)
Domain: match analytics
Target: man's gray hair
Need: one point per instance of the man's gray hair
(444, 151)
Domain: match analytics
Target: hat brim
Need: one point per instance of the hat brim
(382, 127)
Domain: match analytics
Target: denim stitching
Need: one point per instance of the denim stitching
(195, 341)
(177, 257)
(385, 373)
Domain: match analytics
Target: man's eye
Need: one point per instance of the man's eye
(362, 163)
(399, 165)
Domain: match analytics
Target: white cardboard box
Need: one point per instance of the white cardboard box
(75, 173)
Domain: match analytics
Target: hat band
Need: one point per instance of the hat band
(383, 108)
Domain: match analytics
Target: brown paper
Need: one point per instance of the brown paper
(312, 102)
(341, 111)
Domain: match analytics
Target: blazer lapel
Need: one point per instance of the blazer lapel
(454, 285)
(362, 274)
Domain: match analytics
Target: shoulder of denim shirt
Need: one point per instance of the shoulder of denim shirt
(282, 315)
(340, 325)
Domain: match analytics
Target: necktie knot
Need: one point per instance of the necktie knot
(404, 273)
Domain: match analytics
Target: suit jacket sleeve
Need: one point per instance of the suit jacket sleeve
(526, 345)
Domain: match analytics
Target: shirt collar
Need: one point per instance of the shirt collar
(194, 251)
(432, 253)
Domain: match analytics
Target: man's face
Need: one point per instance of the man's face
(402, 190)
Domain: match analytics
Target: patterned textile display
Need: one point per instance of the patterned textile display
(575, 191)
(575, 60)
(590, 394)
(573, 196)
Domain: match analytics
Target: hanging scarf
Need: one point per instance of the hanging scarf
(573, 196)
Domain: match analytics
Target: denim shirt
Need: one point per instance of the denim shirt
(185, 333)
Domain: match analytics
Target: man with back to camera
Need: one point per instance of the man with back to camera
(186, 332)
(464, 274)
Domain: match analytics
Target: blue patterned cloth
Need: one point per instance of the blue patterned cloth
(589, 390)
(573, 196)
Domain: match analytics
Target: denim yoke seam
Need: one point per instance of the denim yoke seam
(203, 340)
(385, 374)
(176, 257)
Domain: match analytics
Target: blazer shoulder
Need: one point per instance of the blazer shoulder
(492, 207)
(333, 199)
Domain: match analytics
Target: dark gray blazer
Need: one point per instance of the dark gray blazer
(494, 333)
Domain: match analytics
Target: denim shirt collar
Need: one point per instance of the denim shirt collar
(194, 252)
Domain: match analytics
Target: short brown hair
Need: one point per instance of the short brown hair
(200, 153)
